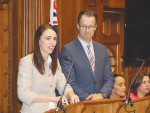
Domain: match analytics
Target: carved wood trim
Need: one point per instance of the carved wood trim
(1, 6)
(116, 4)
(5, 1)
(148, 109)
(4, 60)
(99, 29)
(9, 60)
(134, 102)
(16, 13)
(32, 19)
(110, 40)
(92, 3)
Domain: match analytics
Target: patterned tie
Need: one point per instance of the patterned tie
(91, 58)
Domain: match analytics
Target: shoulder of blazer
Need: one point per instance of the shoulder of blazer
(28, 57)
(99, 45)
(71, 44)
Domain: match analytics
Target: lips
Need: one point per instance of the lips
(147, 88)
(51, 47)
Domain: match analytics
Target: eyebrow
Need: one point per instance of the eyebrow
(121, 82)
(48, 36)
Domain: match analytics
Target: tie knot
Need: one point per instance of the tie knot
(88, 47)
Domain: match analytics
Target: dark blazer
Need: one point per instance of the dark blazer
(81, 79)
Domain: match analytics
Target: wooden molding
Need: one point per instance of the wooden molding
(92, 3)
(116, 4)
(5, 1)
(1, 6)
(111, 40)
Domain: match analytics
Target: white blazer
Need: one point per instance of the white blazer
(30, 83)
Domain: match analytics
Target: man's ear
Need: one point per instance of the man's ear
(78, 26)
(95, 26)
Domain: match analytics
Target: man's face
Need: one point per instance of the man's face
(86, 27)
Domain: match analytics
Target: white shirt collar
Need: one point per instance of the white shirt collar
(84, 44)
(49, 60)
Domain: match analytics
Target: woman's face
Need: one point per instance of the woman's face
(144, 87)
(119, 87)
(47, 42)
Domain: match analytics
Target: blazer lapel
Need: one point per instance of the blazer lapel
(83, 56)
(97, 57)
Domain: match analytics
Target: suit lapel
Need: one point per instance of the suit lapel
(97, 57)
(83, 55)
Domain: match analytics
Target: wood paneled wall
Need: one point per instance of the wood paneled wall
(68, 18)
(32, 11)
(19, 20)
(113, 27)
(4, 56)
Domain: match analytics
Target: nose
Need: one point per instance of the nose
(53, 42)
(148, 84)
(124, 87)
(87, 29)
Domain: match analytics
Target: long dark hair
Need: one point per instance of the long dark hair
(138, 81)
(38, 59)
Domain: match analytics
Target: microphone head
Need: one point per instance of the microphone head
(65, 57)
(139, 60)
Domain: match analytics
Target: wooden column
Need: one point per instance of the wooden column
(26, 15)
(4, 56)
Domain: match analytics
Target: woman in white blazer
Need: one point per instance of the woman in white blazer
(40, 73)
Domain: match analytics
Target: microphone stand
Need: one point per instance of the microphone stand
(59, 104)
(128, 99)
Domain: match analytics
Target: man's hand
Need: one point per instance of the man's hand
(73, 98)
(95, 96)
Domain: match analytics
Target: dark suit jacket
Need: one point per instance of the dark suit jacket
(81, 79)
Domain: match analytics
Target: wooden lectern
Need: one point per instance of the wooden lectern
(107, 106)
(141, 105)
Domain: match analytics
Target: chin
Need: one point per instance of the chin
(122, 95)
(147, 92)
(50, 52)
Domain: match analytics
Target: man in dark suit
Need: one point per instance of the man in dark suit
(91, 76)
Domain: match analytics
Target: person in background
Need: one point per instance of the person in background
(40, 73)
(91, 77)
(140, 86)
(119, 89)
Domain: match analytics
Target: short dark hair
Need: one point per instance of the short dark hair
(138, 81)
(88, 14)
(116, 75)
(38, 59)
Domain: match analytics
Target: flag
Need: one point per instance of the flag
(53, 21)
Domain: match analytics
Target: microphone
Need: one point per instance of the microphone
(128, 99)
(59, 104)
(65, 57)
(139, 60)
